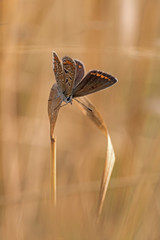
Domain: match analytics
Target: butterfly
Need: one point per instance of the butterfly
(72, 81)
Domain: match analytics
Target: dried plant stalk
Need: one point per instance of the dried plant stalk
(90, 110)
(53, 171)
(54, 103)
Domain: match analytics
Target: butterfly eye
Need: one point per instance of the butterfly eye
(69, 99)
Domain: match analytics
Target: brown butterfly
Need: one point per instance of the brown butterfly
(72, 81)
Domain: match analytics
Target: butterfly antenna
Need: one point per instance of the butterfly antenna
(83, 104)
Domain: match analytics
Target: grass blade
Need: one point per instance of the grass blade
(89, 109)
(54, 103)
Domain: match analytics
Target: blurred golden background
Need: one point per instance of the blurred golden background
(121, 38)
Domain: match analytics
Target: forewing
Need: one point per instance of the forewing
(79, 72)
(69, 68)
(93, 82)
(59, 74)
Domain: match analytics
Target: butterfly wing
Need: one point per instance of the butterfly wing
(79, 72)
(59, 74)
(69, 68)
(93, 82)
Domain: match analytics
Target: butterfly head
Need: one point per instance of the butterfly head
(67, 99)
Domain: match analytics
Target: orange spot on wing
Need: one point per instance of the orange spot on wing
(102, 76)
(98, 75)
(68, 62)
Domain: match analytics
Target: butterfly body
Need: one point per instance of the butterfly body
(72, 81)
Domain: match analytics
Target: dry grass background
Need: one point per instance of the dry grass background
(120, 37)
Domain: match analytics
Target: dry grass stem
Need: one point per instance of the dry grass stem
(89, 109)
(53, 109)
(53, 171)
